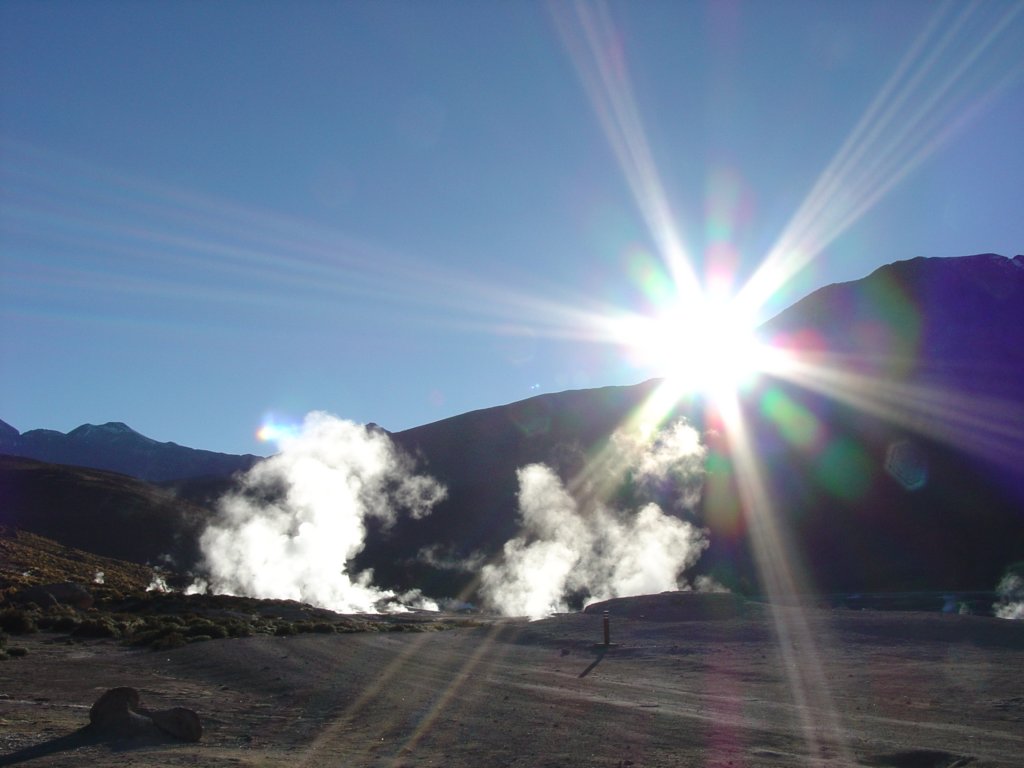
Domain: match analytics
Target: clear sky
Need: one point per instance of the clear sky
(212, 214)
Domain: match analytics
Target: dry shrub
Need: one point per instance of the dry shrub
(18, 621)
(169, 642)
(237, 628)
(207, 628)
(99, 626)
(59, 623)
(284, 628)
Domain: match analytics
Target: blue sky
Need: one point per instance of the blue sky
(216, 213)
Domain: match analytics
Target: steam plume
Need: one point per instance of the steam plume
(1011, 597)
(298, 518)
(570, 550)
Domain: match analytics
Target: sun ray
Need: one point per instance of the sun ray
(919, 108)
(986, 425)
(193, 243)
(445, 698)
(787, 586)
(409, 655)
(594, 46)
(944, 80)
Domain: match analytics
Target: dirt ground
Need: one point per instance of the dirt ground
(677, 687)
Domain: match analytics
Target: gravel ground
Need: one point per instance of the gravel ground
(742, 686)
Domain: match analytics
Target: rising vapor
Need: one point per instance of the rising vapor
(571, 550)
(293, 526)
(1011, 597)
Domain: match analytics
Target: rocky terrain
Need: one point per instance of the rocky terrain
(688, 680)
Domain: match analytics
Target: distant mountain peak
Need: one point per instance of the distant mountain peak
(116, 447)
(110, 428)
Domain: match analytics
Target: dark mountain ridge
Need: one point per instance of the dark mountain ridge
(955, 320)
(119, 448)
(923, 359)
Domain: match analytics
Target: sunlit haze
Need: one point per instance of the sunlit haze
(215, 218)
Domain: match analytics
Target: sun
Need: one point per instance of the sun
(706, 346)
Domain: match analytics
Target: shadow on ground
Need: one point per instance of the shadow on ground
(86, 736)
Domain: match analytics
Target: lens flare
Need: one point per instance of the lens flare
(277, 430)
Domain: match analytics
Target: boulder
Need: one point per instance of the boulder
(64, 593)
(179, 722)
(119, 713)
(116, 714)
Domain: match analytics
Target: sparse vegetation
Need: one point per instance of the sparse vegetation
(98, 626)
(10, 652)
(29, 559)
(206, 629)
(18, 621)
(162, 621)
(285, 628)
(124, 611)
(59, 618)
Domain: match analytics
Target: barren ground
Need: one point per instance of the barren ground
(678, 688)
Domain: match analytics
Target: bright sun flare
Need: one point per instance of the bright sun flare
(707, 346)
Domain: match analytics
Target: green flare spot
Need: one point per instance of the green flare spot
(844, 469)
(797, 424)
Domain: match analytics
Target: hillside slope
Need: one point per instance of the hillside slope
(101, 512)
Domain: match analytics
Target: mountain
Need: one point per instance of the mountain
(105, 513)
(956, 321)
(896, 456)
(892, 455)
(930, 345)
(117, 447)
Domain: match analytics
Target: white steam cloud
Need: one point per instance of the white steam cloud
(674, 456)
(571, 549)
(1011, 598)
(299, 518)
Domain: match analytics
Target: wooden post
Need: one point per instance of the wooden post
(607, 631)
